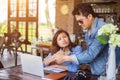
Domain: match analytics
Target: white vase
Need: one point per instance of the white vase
(111, 64)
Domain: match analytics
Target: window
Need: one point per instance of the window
(23, 14)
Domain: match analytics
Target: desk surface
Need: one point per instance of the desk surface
(16, 73)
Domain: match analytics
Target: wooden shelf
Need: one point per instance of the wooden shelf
(102, 3)
(111, 13)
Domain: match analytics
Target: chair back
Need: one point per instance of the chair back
(1, 65)
(1, 45)
(2, 39)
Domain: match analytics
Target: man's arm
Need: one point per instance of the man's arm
(84, 57)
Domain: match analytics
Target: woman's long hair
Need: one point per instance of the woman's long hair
(55, 47)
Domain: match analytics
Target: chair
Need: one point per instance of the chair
(6, 44)
(11, 44)
(2, 39)
(15, 40)
(1, 65)
(17, 45)
(1, 44)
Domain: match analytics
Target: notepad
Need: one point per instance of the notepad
(58, 70)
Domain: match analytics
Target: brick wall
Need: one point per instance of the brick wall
(66, 21)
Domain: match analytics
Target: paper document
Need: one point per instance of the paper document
(46, 79)
(58, 70)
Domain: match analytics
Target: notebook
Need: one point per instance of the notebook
(57, 70)
(32, 64)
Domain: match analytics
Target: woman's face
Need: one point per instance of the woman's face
(62, 40)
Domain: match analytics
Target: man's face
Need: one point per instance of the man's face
(84, 22)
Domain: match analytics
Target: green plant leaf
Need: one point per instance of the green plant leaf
(102, 39)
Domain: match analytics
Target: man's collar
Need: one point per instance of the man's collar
(95, 24)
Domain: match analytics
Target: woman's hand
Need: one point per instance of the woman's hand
(58, 57)
(49, 60)
(63, 58)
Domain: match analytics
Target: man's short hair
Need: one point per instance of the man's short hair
(84, 9)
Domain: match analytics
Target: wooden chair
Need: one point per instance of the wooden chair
(10, 44)
(2, 39)
(5, 44)
(1, 44)
(1, 65)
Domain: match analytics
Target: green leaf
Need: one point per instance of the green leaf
(102, 39)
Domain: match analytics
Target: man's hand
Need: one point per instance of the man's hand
(59, 59)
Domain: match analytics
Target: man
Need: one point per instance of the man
(96, 53)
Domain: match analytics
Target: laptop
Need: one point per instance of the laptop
(32, 64)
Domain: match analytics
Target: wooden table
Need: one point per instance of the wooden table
(42, 48)
(16, 73)
(45, 44)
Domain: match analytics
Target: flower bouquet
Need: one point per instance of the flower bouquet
(107, 35)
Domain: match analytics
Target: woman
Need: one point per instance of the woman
(62, 44)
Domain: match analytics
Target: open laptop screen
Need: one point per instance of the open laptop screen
(32, 64)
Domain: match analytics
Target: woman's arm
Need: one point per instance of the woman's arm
(49, 59)
(73, 67)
